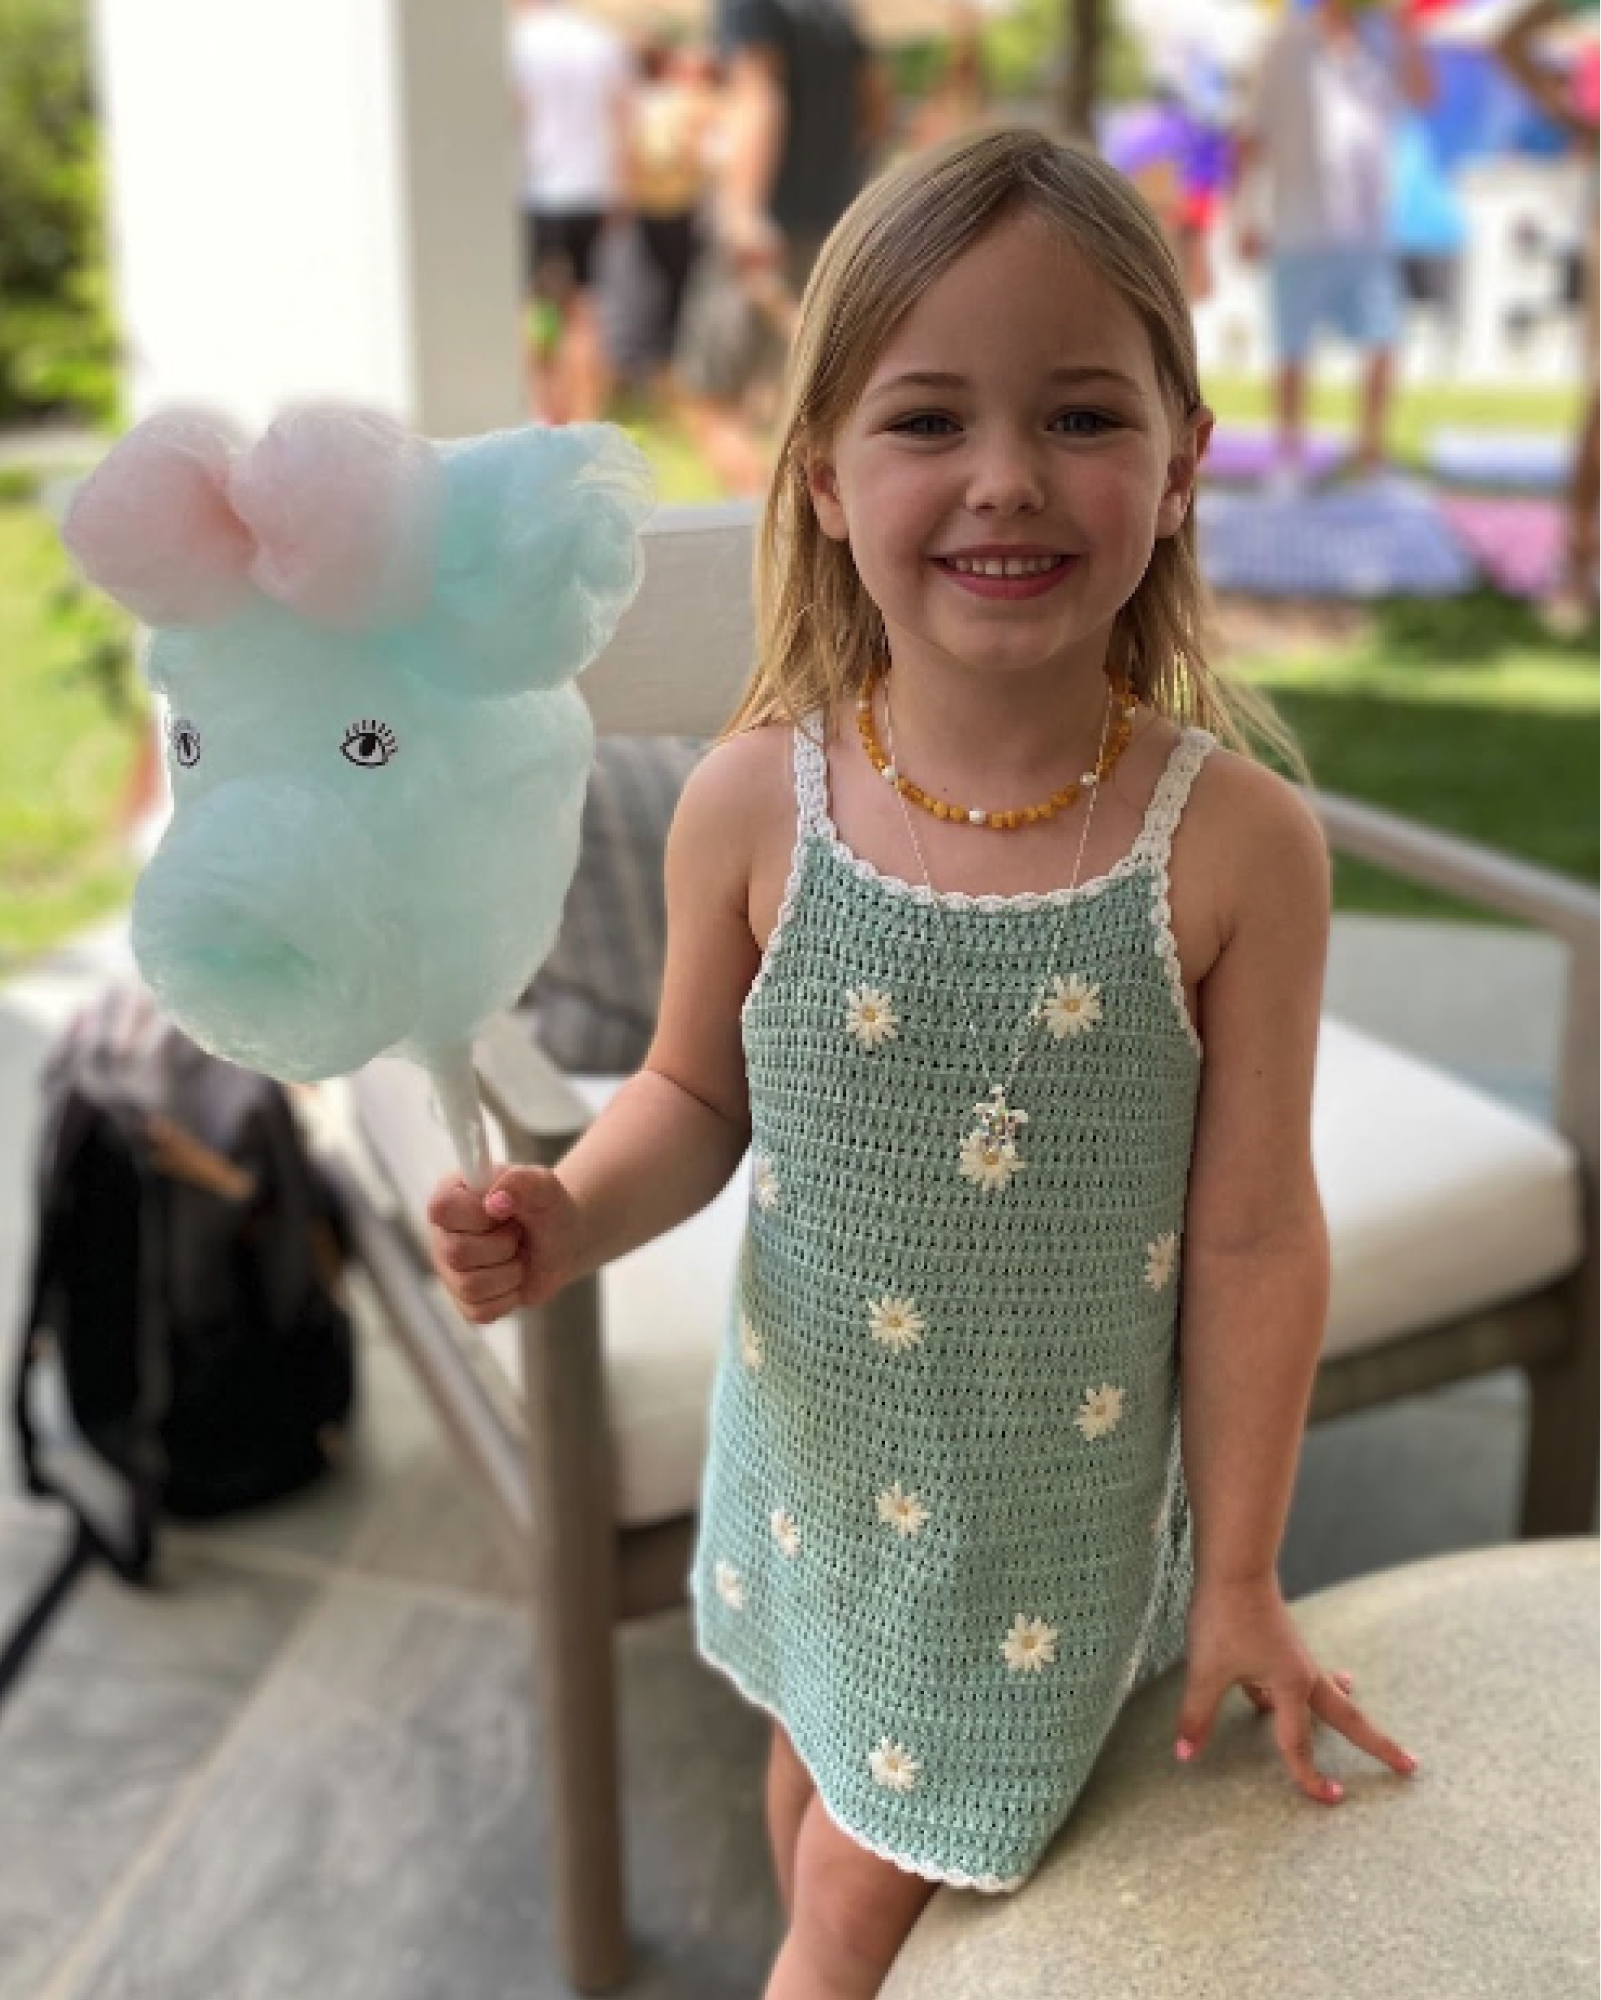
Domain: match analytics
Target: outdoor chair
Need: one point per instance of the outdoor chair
(1463, 1239)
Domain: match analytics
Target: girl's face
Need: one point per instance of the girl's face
(1014, 419)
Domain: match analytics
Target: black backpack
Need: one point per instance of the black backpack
(183, 1348)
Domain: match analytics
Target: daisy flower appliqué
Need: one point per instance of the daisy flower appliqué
(989, 1163)
(786, 1533)
(1159, 1260)
(1101, 1411)
(750, 1345)
(1071, 1007)
(904, 1512)
(895, 1323)
(893, 1766)
(765, 1182)
(729, 1587)
(870, 1016)
(1030, 1646)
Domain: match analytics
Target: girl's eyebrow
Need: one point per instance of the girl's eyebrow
(924, 378)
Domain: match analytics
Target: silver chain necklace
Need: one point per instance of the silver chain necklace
(990, 1154)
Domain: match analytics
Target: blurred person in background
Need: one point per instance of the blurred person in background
(1429, 227)
(1314, 152)
(1567, 91)
(807, 104)
(671, 137)
(960, 96)
(572, 79)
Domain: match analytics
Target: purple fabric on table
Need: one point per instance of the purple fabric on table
(1517, 543)
(1342, 543)
(1534, 461)
(1237, 456)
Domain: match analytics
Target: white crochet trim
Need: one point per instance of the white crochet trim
(1154, 846)
(1172, 790)
(952, 1878)
(811, 786)
(805, 827)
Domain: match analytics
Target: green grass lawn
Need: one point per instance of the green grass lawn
(1420, 407)
(65, 755)
(1463, 713)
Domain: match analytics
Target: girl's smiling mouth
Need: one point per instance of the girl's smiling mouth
(996, 571)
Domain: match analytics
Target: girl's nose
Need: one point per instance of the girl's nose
(1006, 478)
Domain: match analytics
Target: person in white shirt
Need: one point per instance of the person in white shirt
(572, 80)
(1315, 153)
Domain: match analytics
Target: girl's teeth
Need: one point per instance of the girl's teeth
(1008, 566)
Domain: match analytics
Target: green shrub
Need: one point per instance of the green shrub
(57, 349)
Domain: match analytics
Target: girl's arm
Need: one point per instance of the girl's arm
(1256, 1281)
(667, 1143)
(1255, 1268)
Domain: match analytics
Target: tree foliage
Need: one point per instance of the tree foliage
(57, 352)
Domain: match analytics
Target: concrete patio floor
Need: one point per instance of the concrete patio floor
(304, 1764)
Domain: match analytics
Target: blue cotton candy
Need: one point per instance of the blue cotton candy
(375, 829)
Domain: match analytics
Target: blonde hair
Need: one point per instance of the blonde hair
(819, 635)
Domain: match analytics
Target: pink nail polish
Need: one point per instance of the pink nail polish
(1333, 1792)
(1184, 1749)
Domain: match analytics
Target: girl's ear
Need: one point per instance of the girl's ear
(822, 484)
(1182, 469)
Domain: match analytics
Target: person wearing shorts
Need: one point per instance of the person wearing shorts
(808, 103)
(1331, 92)
(561, 249)
(572, 78)
(1523, 49)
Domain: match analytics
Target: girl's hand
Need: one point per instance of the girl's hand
(514, 1245)
(1243, 1633)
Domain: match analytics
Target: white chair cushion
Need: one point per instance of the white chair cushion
(665, 1310)
(1439, 1200)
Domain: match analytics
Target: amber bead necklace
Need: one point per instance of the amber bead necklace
(1117, 741)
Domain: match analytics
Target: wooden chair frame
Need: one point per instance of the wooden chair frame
(675, 669)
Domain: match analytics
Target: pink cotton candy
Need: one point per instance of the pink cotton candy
(152, 527)
(344, 507)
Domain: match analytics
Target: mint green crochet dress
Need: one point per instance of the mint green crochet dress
(944, 1532)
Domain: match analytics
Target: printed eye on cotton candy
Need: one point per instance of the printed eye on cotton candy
(366, 646)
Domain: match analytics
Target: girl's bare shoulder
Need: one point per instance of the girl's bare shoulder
(1256, 833)
(746, 779)
(736, 815)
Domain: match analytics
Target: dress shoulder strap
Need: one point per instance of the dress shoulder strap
(811, 776)
(1162, 815)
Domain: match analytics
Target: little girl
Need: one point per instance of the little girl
(1008, 975)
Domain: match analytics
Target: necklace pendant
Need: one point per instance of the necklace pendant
(990, 1154)
(997, 1119)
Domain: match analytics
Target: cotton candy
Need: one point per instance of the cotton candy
(366, 647)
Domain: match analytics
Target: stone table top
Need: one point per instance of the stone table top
(1474, 1880)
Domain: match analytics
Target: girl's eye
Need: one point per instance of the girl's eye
(1086, 423)
(369, 744)
(924, 424)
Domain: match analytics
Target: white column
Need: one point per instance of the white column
(314, 199)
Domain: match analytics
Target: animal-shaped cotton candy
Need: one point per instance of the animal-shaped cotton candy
(366, 645)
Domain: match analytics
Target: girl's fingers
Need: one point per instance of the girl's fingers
(1333, 1706)
(1292, 1724)
(483, 1312)
(1262, 1700)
